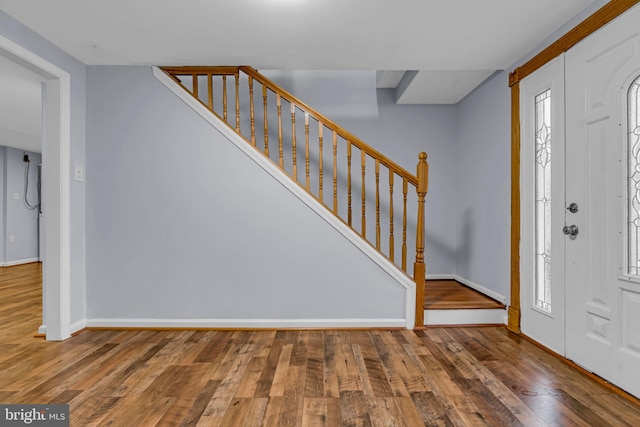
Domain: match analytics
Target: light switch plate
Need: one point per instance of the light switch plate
(79, 173)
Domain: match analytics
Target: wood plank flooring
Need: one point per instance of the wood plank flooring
(439, 376)
(451, 295)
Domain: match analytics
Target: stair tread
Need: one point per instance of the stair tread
(453, 295)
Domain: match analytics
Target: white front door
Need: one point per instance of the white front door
(603, 179)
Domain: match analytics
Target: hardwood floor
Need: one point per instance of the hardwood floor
(449, 294)
(20, 302)
(439, 376)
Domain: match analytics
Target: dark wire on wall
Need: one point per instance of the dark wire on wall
(26, 185)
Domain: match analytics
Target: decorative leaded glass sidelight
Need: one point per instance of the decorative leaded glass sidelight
(542, 110)
(633, 179)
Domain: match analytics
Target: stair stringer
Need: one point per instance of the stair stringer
(269, 167)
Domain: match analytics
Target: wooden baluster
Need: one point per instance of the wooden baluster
(307, 179)
(364, 194)
(320, 174)
(253, 125)
(237, 76)
(392, 243)
(210, 91)
(224, 98)
(266, 122)
(419, 270)
(279, 105)
(405, 189)
(294, 149)
(335, 172)
(349, 219)
(377, 204)
(196, 92)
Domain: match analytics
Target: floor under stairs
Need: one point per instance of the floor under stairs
(448, 302)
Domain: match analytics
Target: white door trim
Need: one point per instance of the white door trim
(56, 152)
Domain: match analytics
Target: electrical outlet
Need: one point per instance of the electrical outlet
(12, 238)
(16, 196)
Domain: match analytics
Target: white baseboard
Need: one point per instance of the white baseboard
(441, 277)
(488, 292)
(19, 262)
(496, 316)
(75, 327)
(78, 326)
(246, 323)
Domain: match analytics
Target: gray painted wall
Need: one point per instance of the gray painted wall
(334, 93)
(483, 213)
(181, 225)
(28, 39)
(16, 219)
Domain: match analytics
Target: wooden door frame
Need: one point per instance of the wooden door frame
(600, 18)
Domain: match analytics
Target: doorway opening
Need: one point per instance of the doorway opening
(56, 310)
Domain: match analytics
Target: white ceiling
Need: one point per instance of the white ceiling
(20, 106)
(471, 37)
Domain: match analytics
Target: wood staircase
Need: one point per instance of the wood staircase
(313, 151)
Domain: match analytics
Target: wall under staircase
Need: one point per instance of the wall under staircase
(185, 229)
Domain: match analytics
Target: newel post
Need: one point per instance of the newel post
(419, 269)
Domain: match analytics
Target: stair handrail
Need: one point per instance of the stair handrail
(419, 180)
(331, 124)
(250, 71)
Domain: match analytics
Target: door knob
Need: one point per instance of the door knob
(573, 208)
(570, 230)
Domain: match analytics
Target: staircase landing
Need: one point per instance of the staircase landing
(448, 302)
